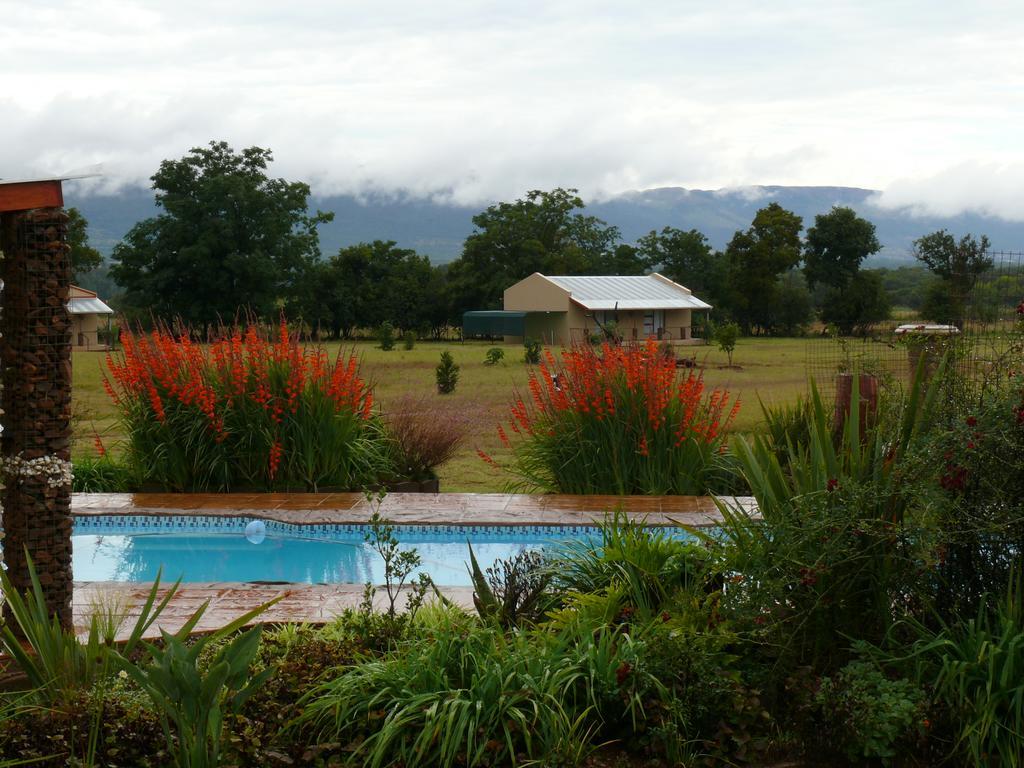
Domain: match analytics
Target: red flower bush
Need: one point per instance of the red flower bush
(244, 411)
(617, 419)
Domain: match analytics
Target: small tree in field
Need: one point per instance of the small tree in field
(726, 337)
(532, 354)
(386, 336)
(447, 373)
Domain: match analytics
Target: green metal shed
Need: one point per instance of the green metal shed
(493, 323)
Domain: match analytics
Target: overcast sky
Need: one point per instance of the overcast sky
(923, 99)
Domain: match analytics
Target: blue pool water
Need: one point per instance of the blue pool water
(119, 548)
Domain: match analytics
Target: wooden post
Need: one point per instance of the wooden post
(868, 405)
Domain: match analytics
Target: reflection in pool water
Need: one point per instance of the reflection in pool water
(200, 549)
(233, 557)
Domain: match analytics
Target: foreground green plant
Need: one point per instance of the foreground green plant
(837, 553)
(866, 714)
(643, 566)
(103, 475)
(976, 670)
(471, 699)
(191, 701)
(57, 664)
(399, 566)
(512, 592)
(480, 696)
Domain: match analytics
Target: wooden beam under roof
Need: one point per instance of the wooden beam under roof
(26, 195)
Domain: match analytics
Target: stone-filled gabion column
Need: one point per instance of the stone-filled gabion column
(35, 446)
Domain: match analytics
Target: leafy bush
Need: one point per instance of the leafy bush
(976, 669)
(57, 664)
(113, 726)
(532, 352)
(425, 438)
(512, 592)
(480, 696)
(461, 698)
(837, 554)
(447, 373)
(494, 356)
(864, 714)
(788, 427)
(644, 566)
(103, 475)
(409, 340)
(618, 420)
(189, 700)
(386, 336)
(243, 412)
(713, 707)
(976, 462)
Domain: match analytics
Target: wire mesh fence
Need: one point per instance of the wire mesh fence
(985, 334)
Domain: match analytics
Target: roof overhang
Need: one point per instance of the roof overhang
(88, 306)
(639, 304)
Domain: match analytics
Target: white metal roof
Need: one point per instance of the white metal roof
(88, 306)
(628, 292)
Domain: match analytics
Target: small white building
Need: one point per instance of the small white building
(88, 314)
(568, 309)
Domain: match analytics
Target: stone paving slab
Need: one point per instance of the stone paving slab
(416, 508)
(309, 603)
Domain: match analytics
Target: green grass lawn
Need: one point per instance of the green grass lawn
(772, 369)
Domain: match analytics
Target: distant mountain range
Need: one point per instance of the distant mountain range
(438, 229)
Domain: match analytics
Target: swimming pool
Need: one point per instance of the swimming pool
(213, 548)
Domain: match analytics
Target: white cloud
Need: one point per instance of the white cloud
(986, 188)
(484, 100)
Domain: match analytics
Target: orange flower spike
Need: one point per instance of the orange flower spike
(238, 377)
(101, 450)
(504, 438)
(735, 410)
(486, 458)
(274, 461)
(109, 389)
(534, 387)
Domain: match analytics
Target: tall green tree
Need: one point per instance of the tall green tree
(623, 259)
(685, 257)
(836, 245)
(315, 300)
(543, 232)
(380, 282)
(229, 237)
(84, 258)
(756, 261)
(958, 263)
(858, 304)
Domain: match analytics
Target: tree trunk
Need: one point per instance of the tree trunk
(36, 441)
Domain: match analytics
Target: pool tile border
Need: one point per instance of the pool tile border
(156, 524)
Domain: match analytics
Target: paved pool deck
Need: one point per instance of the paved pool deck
(319, 603)
(415, 508)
